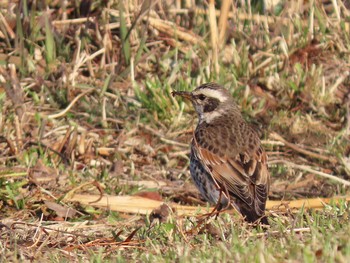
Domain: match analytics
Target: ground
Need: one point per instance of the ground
(93, 142)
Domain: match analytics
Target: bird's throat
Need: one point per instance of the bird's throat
(208, 117)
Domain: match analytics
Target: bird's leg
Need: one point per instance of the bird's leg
(218, 207)
(227, 196)
(218, 204)
(203, 218)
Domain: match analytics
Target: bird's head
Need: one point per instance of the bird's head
(210, 101)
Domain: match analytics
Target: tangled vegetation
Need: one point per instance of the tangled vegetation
(92, 142)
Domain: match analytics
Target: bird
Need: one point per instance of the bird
(227, 162)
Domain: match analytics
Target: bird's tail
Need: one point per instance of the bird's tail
(251, 216)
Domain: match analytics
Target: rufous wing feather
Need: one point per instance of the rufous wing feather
(245, 177)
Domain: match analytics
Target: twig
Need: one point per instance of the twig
(213, 36)
(161, 136)
(141, 205)
(269, 142)
(26, 225)
(182, 154)
(62, 113)
(303, 151)
(310, 170)
(151, 130)
(94, 183)
(72, 21)
(19, 137)
(104, 113)
(174, 142)
(336, 9)
(11, 175)
(174, 30)
(7, 26)
(242, 16)
(339, 81)
(311, 19)
(225, 8)
(277, 232)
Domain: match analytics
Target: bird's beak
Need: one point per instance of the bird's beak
(185, 94)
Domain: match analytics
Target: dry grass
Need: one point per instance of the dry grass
(86, 109)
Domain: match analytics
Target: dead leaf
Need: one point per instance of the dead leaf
(150, 195)
(210, 229)
(140, 205)
(42, 174)
(61, 211)
(307, 55)
(161, 213)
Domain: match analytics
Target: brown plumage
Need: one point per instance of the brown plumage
(227, 160)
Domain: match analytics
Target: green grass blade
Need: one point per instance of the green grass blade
(50, 46)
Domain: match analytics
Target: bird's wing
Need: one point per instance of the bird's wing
(246, 176)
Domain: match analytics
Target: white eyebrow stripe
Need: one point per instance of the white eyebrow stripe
(211, 93)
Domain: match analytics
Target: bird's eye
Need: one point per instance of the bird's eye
(201, 97)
